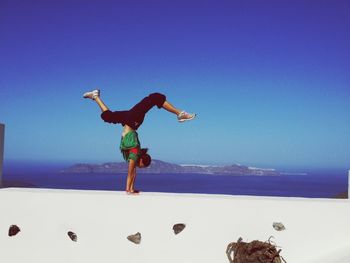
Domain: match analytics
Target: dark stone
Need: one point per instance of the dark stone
(14, 230)
(278, 226)
(73, 236)
(178, 228)
(136, 238)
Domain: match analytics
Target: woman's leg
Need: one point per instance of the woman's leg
(159, 100)
(101, 104)
(121, 117)
(169, 107)
(95, 95)
(181, 115)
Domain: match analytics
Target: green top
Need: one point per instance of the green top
(130, 141)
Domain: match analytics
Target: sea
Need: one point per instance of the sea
(320, 183)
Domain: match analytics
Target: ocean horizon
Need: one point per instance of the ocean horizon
(309, 183)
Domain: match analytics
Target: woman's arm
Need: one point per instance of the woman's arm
(131, 176)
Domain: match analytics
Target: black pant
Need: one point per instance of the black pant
(134, 117)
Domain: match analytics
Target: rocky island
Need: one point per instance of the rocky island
(158, 166)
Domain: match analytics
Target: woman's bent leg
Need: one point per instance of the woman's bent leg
(181, 115)
(169, 107)
(159, 100)
(101, 104)
(147, 103)
(115, 117)
(109, 116)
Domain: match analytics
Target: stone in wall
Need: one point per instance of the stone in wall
(136, 238)
(14, 230)
(73, 236)
(178, 228)
(278, 226)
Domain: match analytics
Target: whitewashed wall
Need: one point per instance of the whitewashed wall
(316, 229)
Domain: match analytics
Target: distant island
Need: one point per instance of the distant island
(158, 167)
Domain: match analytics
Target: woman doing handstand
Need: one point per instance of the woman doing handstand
(131, 120)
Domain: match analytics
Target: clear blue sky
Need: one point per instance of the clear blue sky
(269, 80)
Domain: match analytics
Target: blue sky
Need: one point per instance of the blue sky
(269, 80)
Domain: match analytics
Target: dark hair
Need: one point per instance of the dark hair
(146, 158)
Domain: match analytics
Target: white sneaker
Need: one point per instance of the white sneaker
(184, 116)
(92, 94)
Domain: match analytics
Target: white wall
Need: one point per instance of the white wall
(316, 230)
(2, 132)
